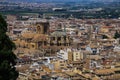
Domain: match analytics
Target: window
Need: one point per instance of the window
(32, 46)
(53, 38)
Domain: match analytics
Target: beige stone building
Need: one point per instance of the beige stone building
(59, 64)
(77, 55)
(39, 38)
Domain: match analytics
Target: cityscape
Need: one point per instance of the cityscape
(64, 40)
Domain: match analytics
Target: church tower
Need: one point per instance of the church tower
(42, 27)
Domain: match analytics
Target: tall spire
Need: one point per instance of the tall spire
(64, 28)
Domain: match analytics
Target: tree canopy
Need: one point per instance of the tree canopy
(116, 35)
(104, 37)
(7, 57)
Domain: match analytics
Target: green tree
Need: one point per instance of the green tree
(7, 57)
(104, 37)
(116, 35)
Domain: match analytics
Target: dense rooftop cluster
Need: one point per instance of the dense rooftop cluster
(67, 49)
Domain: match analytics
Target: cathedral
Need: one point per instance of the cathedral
(41, 38)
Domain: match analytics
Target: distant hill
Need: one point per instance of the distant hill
(45, 0)
(61, 0)
(106, 0)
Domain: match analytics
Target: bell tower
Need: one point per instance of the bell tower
(42, 27)
(39, 29)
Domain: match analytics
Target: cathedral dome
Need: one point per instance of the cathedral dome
(58, 33)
